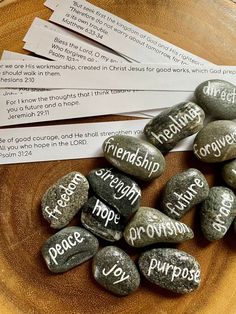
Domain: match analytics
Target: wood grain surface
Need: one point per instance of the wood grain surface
(206, 28)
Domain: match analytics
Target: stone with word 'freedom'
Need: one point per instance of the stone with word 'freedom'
(62, 201)
(115, 271)
(134, 156)
(229, 173)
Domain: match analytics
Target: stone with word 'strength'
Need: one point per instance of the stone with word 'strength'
(229, 173)
(115, 271)
(174, 124)
(134, 156)
(63, 200)
(171, 269)
(68, 248)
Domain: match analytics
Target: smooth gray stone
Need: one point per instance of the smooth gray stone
(134, 156)
(229, 173)
(171, 269)
(217, 212)
(149, 226)
(115, 271)
(174, 124)
(68, 248)
(183, 191)
(63, 200)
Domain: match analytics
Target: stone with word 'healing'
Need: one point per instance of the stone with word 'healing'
(183, 191)
(115, 271)
(217, 212)
(171, 269)
(149, 226)
(229, 173)
(134, 156)
(174, 124)
(115, 188)
(68, 248)
(62, 201)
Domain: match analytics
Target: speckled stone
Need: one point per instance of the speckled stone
(229, 173)
(64, 199)
(149, 226)
(174, 124)
(183, 191)
(218, 212)
(134, 156)
(68, 248)
(115, 271)
(171, 269)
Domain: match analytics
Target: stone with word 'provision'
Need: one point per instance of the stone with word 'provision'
(229, 173)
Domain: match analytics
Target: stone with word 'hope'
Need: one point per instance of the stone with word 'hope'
(149, 226)
(62, 201)
(183, 191)
(229, 173)
(171, 269)
(115, 271)
(68, 248)
(174, 124)
(134, 156)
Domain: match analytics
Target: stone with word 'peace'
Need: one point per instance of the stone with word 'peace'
(229, 173)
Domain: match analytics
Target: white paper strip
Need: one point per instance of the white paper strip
(51, 4)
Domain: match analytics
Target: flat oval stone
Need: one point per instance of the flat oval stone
(134, 156)
(149, 226)
(229, 173)
(63, 200)
(183, 191)
(171, 269)
(68, 248)
(174, 124)
(115, 271)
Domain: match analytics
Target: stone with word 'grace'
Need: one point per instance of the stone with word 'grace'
(62, 201)
(134, 156)
(171, 269)
(115, 271)
(183, 191)
(229, 173)
(68, 248)
(174, 124)
(149, 226)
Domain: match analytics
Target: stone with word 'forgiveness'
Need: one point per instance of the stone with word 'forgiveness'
(174, 124)
(134, 156)
(149, 226)
(229, 173)
(183, 191)
(171, 269)
(115, 271)
(63, 200)
(68, 248)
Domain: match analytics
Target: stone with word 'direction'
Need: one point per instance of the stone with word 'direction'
(229, 173)
(62, 201)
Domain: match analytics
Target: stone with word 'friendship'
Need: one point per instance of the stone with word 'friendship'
(62, 201)
(229, 173)
(171, 269)
(217, 212)
(115, 271)
(68, 248)
(134, 156)
(149, 226)
(174, 124)
(183, 191)
(116, 189)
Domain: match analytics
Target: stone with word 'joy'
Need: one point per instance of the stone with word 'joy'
(217, 212)
(134, 156)
(62, 201)
(171, 269)
(68, 248)
(174, 124)
(115, 271)
(183, 191)
(229, 173)
(149, 226)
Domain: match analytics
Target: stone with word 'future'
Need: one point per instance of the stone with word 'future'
(134, 156)
(229, 173)
(149, 226)
(62, 201)
(217, 212)
(116, 189)
(183, 191)
(174, 124)
(68, 248)
(171, 269)
(115, 271)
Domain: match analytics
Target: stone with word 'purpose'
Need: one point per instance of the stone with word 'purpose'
(229, 173)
